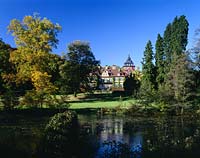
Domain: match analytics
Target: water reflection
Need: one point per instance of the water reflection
(146, 137)
(20, 139)
(111, 130)
(110, 136)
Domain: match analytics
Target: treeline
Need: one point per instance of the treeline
(34, 73)
(31, 74)
(171, 74)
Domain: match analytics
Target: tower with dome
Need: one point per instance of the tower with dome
(113, 77)
(128, 66)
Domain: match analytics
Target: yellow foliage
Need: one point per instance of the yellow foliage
(41, 82)
(138, 74)
(34, 38)
(9, 78)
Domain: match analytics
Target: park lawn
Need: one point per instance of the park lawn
(95, 101)
(103, 104)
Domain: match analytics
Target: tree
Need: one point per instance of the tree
(5, 65)
(61, 135)
(196, 58)
(174, 43)
(55, 61)
(70, 78)
(148, 69)
(131, 85)
(180, 80)
(79, 66)
(175, 40)
(196, 49)
(159, 61)
(167, 47)
(179, 35)
(137, 73)
(35, 38)
(7, 85)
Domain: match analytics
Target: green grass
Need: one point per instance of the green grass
(103, 104)
(90, 101)
(99, 100)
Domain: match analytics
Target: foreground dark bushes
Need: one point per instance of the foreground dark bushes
(61, 135)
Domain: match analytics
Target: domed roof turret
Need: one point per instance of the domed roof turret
(129, 62)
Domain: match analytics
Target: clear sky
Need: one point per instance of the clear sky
(114, 28)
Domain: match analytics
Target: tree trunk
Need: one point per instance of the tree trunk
(75, 94)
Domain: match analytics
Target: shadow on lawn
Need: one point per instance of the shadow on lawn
(102, 97)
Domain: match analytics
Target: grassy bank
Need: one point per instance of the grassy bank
(95, 101)
(103, 104)
(110, 103)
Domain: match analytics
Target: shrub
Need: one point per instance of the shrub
(40, 99)
(61, 135)
(9, 100)
(33, 98)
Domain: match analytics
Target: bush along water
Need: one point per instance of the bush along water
(61, 135)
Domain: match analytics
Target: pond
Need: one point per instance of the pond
(107, 136)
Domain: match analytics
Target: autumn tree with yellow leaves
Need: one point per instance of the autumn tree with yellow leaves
(34, 37)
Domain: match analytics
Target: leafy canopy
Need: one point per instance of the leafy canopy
(79, 66)
(35, 37)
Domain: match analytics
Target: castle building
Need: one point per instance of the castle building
(113, 77)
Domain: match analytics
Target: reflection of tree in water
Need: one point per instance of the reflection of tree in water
(19, 141)
(127, 138)
(109, 136)
(112, 140)
(168, 137)
(64, 138)
(61, 135)
(154, 137)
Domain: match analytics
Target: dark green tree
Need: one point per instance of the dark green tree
(167, 47)
(79, 67)
(148, 70)
(5, 65)
(175, 40)
(179, 35)
(159, 61)
(8, 72)
(8, 87)
(180, 79)
(55, 61)
(61, 135)
(131, 85)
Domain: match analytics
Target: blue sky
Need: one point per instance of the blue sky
(114, 28)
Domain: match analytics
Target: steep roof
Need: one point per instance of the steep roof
(128, 62)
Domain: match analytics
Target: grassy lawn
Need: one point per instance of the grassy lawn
(91, 101)
(102, 104)
(101, 101)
